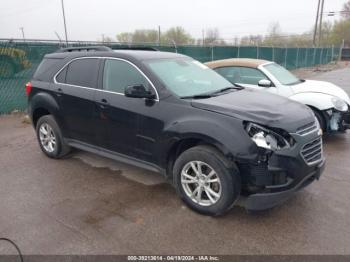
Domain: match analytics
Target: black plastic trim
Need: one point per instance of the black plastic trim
(115, 156)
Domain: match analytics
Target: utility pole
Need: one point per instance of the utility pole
(316, 22)
(22, 29)
(341, 50)
(159, 35)
(321, 18)
(64, 22)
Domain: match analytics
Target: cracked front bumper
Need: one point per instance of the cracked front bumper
(284, 172)
(337, 121)
(263, 201)
(346, 120)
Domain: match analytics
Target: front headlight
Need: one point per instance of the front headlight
(339, 104)
(266, 138)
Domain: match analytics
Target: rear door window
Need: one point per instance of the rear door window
(82, 72)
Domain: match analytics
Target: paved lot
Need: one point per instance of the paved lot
(91, 205)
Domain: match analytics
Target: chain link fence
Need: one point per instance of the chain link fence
(19, 60)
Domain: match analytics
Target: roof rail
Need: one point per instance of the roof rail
(142, 48)
(84, 48)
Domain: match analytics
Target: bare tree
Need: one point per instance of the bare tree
(274, 36)
(346, 8)
(125, 37)
(212, 35)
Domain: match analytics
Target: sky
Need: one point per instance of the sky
(90, 19)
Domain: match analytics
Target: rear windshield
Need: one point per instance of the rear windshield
(42, 73)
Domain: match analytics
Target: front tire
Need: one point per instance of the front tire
(321, 120)
(206, 181)
(50, 137)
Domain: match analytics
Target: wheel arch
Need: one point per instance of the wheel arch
(43, 104)
(323, 115)
(181, 145)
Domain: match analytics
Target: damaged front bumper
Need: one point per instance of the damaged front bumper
(337, 121)
(284, 172)
(263, 201)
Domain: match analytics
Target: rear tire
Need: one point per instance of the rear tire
(206, 181)
(50, 137)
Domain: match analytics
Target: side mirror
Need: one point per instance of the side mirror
(138, 91)
(265, 83)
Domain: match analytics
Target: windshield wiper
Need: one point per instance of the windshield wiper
(201, 96)
(211, 94)
(222, 90)
(238, 86)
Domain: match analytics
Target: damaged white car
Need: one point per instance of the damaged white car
(330, 103)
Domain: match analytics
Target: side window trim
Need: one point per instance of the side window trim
(65, 67)
(133, 65)
(102, 62)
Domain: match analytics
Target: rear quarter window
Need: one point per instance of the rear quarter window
(61, 77)
(46, 69)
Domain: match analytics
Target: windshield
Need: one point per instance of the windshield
(187, 77)
(282, 75)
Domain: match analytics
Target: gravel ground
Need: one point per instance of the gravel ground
(91, 205)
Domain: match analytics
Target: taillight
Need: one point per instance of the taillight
(28, 88)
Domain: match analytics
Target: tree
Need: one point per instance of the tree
(212, 35)
(125, 37)
(341, 30)
(252, 40)
(107, 39)
(346, 8)
(145, 36)
(178, 35)
(274, 36)
(327, 29)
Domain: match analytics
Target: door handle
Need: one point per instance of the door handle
(60, 91)
(104, 103)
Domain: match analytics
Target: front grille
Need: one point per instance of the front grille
(312, 152)
(308, 128)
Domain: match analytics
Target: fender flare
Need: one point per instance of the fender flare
(45, 101)
(234, 144)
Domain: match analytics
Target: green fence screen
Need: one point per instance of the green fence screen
(19, 60)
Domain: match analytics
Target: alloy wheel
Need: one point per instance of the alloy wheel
(201, 183)
(47, 137)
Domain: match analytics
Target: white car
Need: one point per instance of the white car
(329, 102)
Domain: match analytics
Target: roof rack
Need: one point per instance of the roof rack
(84, 48)
(144, 48)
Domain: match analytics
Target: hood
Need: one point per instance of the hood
(259, 107)
(312, 86)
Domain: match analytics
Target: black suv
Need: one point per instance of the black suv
(168, 113)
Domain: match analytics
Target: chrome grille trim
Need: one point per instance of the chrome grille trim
(306, 129)
(312, 152)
